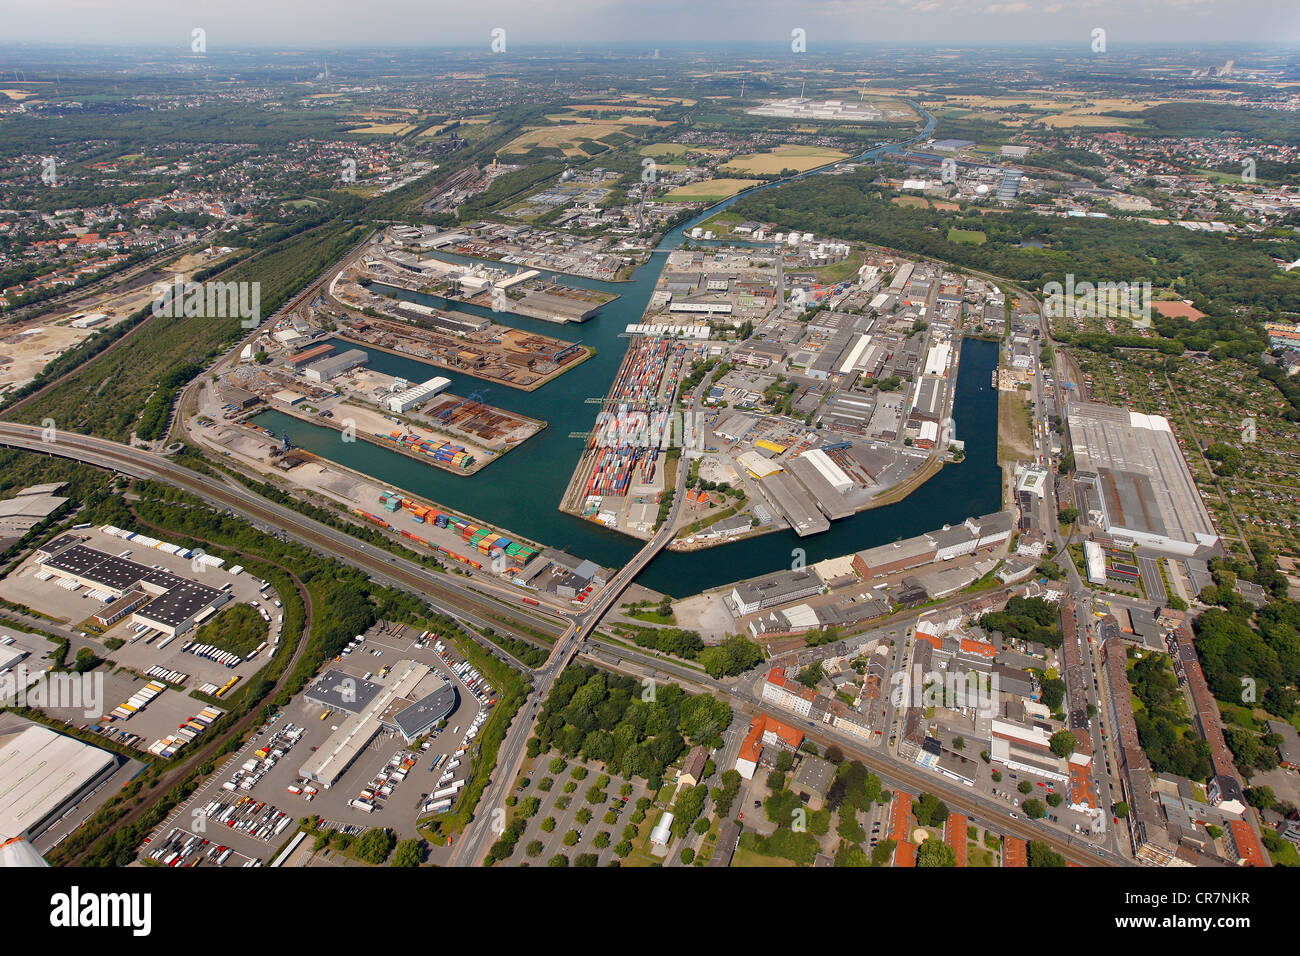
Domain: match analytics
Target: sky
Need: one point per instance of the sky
(697, 23)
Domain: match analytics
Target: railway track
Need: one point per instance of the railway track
(141, 464)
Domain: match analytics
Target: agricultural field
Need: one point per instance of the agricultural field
(795, 157)
(383, 129)
(565, 138)
(710, 190)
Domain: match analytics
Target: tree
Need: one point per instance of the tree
(408, 853)
(811, 675)
(1120, 810)
(688, 855)
(1063, 743)
(570, 838)
(1025, 787)
(935, 853)
(374, 845)
(882, 851)
(1261, 797)
(534, 848)
(1040, 854)
(1034, 808)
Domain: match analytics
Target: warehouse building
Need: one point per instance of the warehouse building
(415, 721)
(334, 366)
(1143, 488)
(42, 775)
(893, 557)
(338, 690)
(177, 603)
(345, 745)
(28, 508)
(774, 589)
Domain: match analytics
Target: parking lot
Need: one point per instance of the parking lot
(263, 792)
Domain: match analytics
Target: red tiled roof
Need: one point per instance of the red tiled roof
(752, 748)
(900, 814)
(1015, 852)
(1248, 846)
(954, 834)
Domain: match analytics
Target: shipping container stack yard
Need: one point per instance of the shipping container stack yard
(635, 422)
(480, 539)
(444, 453)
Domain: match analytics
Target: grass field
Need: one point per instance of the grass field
(743, 857)
(712, 190)
(784, 157)
(969, 236)
(839, 271)
(1015, 438)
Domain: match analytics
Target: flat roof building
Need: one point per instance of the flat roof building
(176, 602)
(341, 691)
(419, 718)
(774, 589)
(346, 744)
(1145, 489)
(42, 774)
(335, 365)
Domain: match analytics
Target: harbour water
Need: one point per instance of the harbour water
(522, 492)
